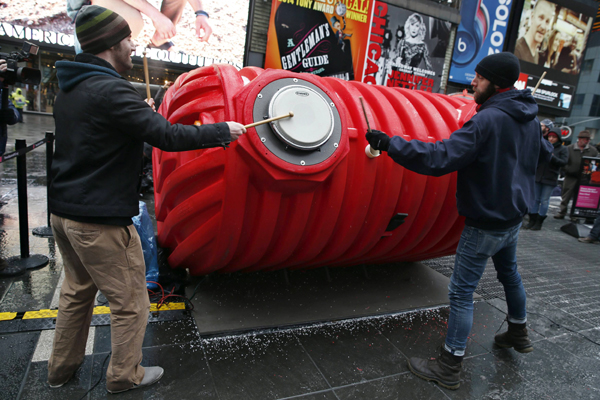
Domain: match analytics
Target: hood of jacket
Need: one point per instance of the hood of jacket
(71, 73)
(519, 104)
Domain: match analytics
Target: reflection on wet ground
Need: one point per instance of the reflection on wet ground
(357, 358)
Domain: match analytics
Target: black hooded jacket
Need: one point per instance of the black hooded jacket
(495, 153)
(101, 126)
(547, 171)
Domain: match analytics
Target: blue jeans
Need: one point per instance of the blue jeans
(476, 246)
(595, 232)
(542, 199)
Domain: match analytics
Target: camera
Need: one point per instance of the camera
(15, 73)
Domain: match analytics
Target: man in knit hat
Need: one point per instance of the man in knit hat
(101, 126)
(495, 154)
(546, 124)
(577, 151)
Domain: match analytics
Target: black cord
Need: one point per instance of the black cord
(101, 376)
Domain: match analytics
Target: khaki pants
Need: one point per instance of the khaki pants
(110, 259)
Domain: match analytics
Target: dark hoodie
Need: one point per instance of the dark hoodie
(547, 171)
(101, 126)
(495, 153)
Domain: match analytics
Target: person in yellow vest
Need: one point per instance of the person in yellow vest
(19, 101)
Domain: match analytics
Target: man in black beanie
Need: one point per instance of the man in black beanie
(101, 126)
(495, 153)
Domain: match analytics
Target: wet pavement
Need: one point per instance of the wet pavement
(354, 358)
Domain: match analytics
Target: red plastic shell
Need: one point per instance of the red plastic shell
(244, 208)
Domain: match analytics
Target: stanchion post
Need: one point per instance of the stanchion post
(25, 260)
(46, 231)
(49, 155)
(22, 194)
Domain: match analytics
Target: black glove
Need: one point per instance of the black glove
(6, 115)
(378, 140)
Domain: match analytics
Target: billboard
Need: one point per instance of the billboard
(221, 37)
(320, 37)
(481, 32)
(406, 49)
(552, 38)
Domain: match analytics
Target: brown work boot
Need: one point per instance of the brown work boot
(516, 336)
(445, 370)
(559, 216)
(7, 270)
(588, 239)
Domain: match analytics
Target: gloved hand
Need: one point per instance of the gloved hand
(378, 140)
(7, 116)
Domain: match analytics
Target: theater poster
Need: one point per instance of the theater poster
(406, 49)
(321, 37)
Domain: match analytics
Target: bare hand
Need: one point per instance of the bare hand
(236, 130)
(203, 29)
(3, 68)
(165, 29)
(150, 102)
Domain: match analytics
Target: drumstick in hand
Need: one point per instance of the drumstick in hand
(291, 114)
(368, 150)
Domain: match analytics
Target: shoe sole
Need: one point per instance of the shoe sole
(520, 350)
(138, 386)
(442, 384)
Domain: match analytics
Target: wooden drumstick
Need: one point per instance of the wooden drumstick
(146, 74)
(368, 150)
(291, 114)
(540, 81)
(364, 112)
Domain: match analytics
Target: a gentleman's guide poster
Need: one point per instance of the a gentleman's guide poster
(362, 40)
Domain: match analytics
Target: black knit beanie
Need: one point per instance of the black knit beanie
(99, 29)
(501, 69)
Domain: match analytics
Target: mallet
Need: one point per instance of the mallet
(291, 114)
(368, 150)
(146, 74)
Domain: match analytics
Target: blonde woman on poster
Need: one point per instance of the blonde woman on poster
(411, 48)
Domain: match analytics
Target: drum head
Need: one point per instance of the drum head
(312, 123)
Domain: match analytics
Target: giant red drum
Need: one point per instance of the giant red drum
(300, 192)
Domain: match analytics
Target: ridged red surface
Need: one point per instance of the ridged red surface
(246, 209)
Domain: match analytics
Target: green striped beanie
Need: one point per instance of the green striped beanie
(99, 29)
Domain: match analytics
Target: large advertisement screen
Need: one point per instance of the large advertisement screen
(406, 49)
(173, 28)
(481, 32)
(321, 37)
(552, 38)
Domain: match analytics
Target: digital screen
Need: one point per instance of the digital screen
(52, 23)
(552, 37)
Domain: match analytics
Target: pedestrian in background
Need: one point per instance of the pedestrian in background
(546, 124)
(546, 179)
(8, 116)
(594, 235)
(19, 101)
(572, 170)
(496, 154)
(101, 126)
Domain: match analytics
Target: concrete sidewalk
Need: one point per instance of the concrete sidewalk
(359, 358)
